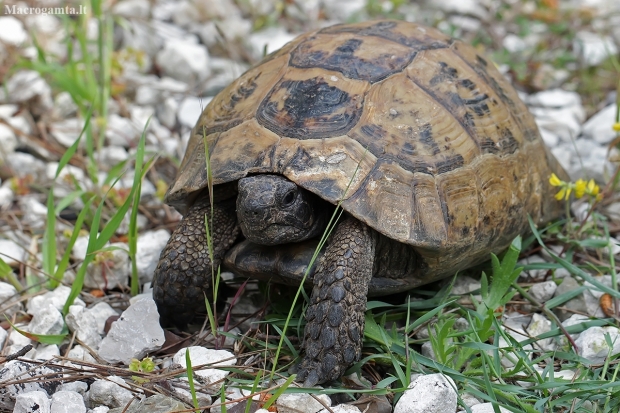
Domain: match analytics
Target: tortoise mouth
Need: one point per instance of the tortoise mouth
(274, 234)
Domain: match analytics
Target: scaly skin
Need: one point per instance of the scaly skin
(183, 275)
(335, 317)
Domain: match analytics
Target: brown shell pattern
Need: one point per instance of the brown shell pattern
(421, 137)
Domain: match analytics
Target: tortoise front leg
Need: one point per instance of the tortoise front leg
(183, 275)
(335, 316)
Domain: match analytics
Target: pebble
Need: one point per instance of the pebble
(598, 127)
(593, 346)
(430, 393)
(8, 142)
(543, 291)
(46, 321)
(184, 61)
(67, 402)
(89, 323)
(12, 31)
(190, 110)
(12, 253)
(302, 403)
(135, 334)
(109, 392)
(201, 355)
(540, 325)
(575, 305)
(24, 164)
(154, 404)
(138, 9)
(67, 131)
(268, 40)
(56, 298)
(485, 408)
(150, 244)
(25, 370)
(26, 85)
(593, 48)
(31, 402)
(344, 10)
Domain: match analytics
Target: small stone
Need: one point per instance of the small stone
(46, 321)
(136, 9)
(543, 291)
(301, 403)
(190, 110)
(268, 40)
(64, 106)
(9, 297)
(110, 269)
(46, 352)
(67, 402)
(486, 408)
(540, 325)
(109, 392)
(574, 305)
(184, 61)
(342, 408)
(12, 31)
(27, 85)
(122, 132)
(57, 298)
(598, 127)
(344, 10)
(67, 131)
(150, 244)
(430, 393)
(135, 334)
(6, 197)
(157, 404)
(24, 164)
(12, 253)
(593, 48)
(8, 142)
(78, 387)
(593, 346)
(201, 355)
(25, 371)
(110, 156)
(167, 112)
(465, 285)
(32, 402)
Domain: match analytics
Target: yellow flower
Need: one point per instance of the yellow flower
(616, 126)
(580, 188)
(593, 189)
(563, 194)
(554, 180)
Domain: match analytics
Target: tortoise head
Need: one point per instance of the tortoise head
(272, 210)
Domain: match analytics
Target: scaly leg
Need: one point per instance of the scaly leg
(183, 275)
(335, 316)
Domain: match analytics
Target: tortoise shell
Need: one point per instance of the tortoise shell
(416, 134)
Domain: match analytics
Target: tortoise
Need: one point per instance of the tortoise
(425, 146)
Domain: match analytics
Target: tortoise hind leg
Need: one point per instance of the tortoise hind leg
(335, 316)
(183, 274)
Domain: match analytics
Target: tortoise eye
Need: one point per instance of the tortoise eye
(289, 198)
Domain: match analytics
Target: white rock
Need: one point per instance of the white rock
(138, 9)
(167, 112)
(110, 269)
(270, 39)
(464, 7)
(47, 320)
(122, 131)
(431, 393)
(540, 325)
(190, 110)
(83, 322)
(21, 124)
(67, 402)
(184, 61)
(26, 85)
(150, 244)
(12, 31)
(109, 392)
(6, 197)
(67, 131)
(12, 253)
(201, 355)
(7, 111)
(57, 298)
(24, 164)
(591, 162)
(427, 350)
(232, 27)
(65, 183)
(486, 408)
(515, 325)
(24, 371)
(301, 402)
(32, 402)
(79, 387)
(345, 9)
(543, 291)
(64, 106)
(593, 346)
(465, 285)
(80, 353)
(598, 127)
(341, 408)
(8, 142)
(35, 213)
(3, 336)
(593, 48)
(136, 333)
(110, 156)
(46, 352)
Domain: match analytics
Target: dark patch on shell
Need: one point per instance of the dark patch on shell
(312, 109)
